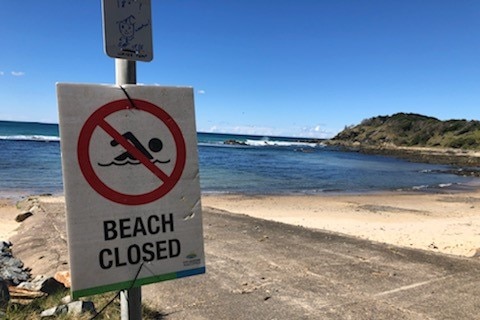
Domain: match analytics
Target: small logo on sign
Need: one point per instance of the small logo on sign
(192, 260)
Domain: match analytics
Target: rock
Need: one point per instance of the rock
(11, 269)
(9, 261)
(66, 299)
(75, 308)
(79, 307)
(24, 294)
(5, 246)
(33, 285)
(234, 142)
(23, 216)
(14, 275)
(55, 311)
(44, 284)
(64, 278)
(51, 286)
(4, 296)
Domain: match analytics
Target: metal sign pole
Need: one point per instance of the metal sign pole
(125, 72)
(131, 304)
(130, 300)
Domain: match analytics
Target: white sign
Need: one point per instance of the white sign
(131, 180)
(127, 29)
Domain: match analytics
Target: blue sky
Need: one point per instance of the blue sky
(284, 67)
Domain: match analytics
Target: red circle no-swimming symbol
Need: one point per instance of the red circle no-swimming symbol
(97, 120)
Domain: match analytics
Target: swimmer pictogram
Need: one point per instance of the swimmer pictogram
(154, 145)
(134, 153)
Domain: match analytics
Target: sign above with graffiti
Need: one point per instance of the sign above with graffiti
(127, 29)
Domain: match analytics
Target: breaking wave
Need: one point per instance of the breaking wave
(30, 138)
(279, 143)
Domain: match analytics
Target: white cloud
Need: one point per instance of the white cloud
(316, 131)
(2, 73)
(18, 73)
(242, 129)
(201, 91)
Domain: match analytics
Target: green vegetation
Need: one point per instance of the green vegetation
(413, 130)
(33, 310)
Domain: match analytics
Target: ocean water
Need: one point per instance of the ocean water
(30, 164)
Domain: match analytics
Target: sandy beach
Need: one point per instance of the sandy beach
(265, 270)
(447, 223)
(8, 212)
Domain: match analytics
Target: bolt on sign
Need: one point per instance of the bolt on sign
(131, 180)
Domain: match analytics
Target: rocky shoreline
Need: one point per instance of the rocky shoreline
(467, 160)
(12, 269)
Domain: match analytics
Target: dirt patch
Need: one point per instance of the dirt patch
(41, 241)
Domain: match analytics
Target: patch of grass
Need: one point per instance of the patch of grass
(33, 310)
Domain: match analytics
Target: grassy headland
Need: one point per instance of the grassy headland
(415, 137)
